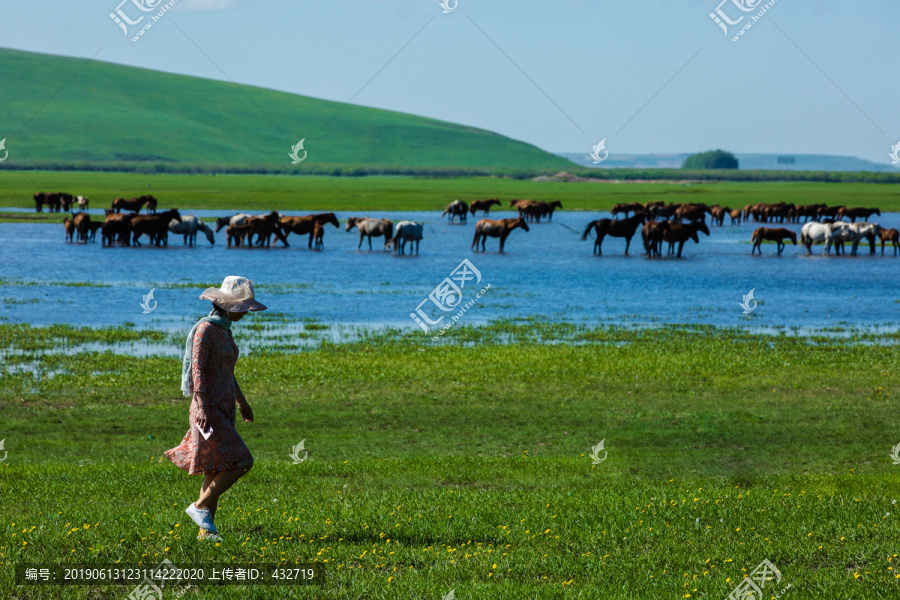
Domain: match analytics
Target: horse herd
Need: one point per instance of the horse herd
(674, 224)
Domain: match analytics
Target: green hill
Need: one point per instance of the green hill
(123, 118)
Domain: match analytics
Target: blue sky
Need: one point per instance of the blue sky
(650, 76)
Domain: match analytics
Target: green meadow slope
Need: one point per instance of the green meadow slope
(116, 117)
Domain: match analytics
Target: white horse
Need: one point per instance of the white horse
(82, 202)
(189, 226)
(237, 219)
(819, 233)
(407, 231)
(867, 231)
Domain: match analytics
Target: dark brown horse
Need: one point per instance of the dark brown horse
(858, 213)
(306, 225)
(625, 208)
(679, 233)
(652, 233)
(264, 227)
(456, 209)
(237, 233)
(890, 235)
(39, 200)
(486, 228)
(773, 235)
(719, 213)
(624, 228)
(155, 226)
(483, 205)
(545, 209)
(318, 236)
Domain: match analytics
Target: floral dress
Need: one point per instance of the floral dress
(212, 370)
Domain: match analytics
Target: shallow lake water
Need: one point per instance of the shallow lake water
(545, 274)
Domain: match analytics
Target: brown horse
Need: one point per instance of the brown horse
(735, 216)
(890, 235)
(858, 213)
(678, 233)
(135, 204)
(624, 228)
(237, 233)
(718, 214)
(155, 226)
(545, 209)
(371, 228)
(39, 200)
(625, 208)
(690, 212)
(653, 234)
(486, 228)
(117, 227)
(263, 227)
(69, 225)
(773, 235)
(82, 226)
(93, 226)
(318, 235)
(306, 225)
(483, 205)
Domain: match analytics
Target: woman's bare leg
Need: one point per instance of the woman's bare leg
(209, 496)
(207, 480)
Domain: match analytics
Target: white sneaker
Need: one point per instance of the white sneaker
(201, 518)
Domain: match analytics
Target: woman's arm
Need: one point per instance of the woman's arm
(246, 411)
(202, 340)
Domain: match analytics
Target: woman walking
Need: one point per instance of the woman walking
(212, 446)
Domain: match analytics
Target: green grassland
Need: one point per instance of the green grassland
(466, 466)
(113, 116)
(265, 192)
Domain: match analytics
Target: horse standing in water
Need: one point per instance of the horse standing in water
(488, 228)
(189, 226)
(773, 235)
(679, 233)
(407, 231)
(457, 208)
(483, 205)
(307, 224)
(653, 234)
(890, 235)
(371, 228)
(623, 228)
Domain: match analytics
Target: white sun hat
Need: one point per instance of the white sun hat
(235, 295)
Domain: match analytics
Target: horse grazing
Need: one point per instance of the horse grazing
(155, 226)
(189, 226)
(264, 226)
(82, 226)
(134, 204)
(545, 209)
(372, 228)
(304, 225)
(679, 233)
(483, 205)
(237, 233)
(773, 235)
(456, 209)
(39, 199)
(625, 208)
(83, 202)
(407, 231)
(624, 228)
(653, 233)
(69, 226)
(718, 214)
(735, 216)
(890, 235)
(690, 212)
(530, 210)
(53, 202)
(486, 228)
